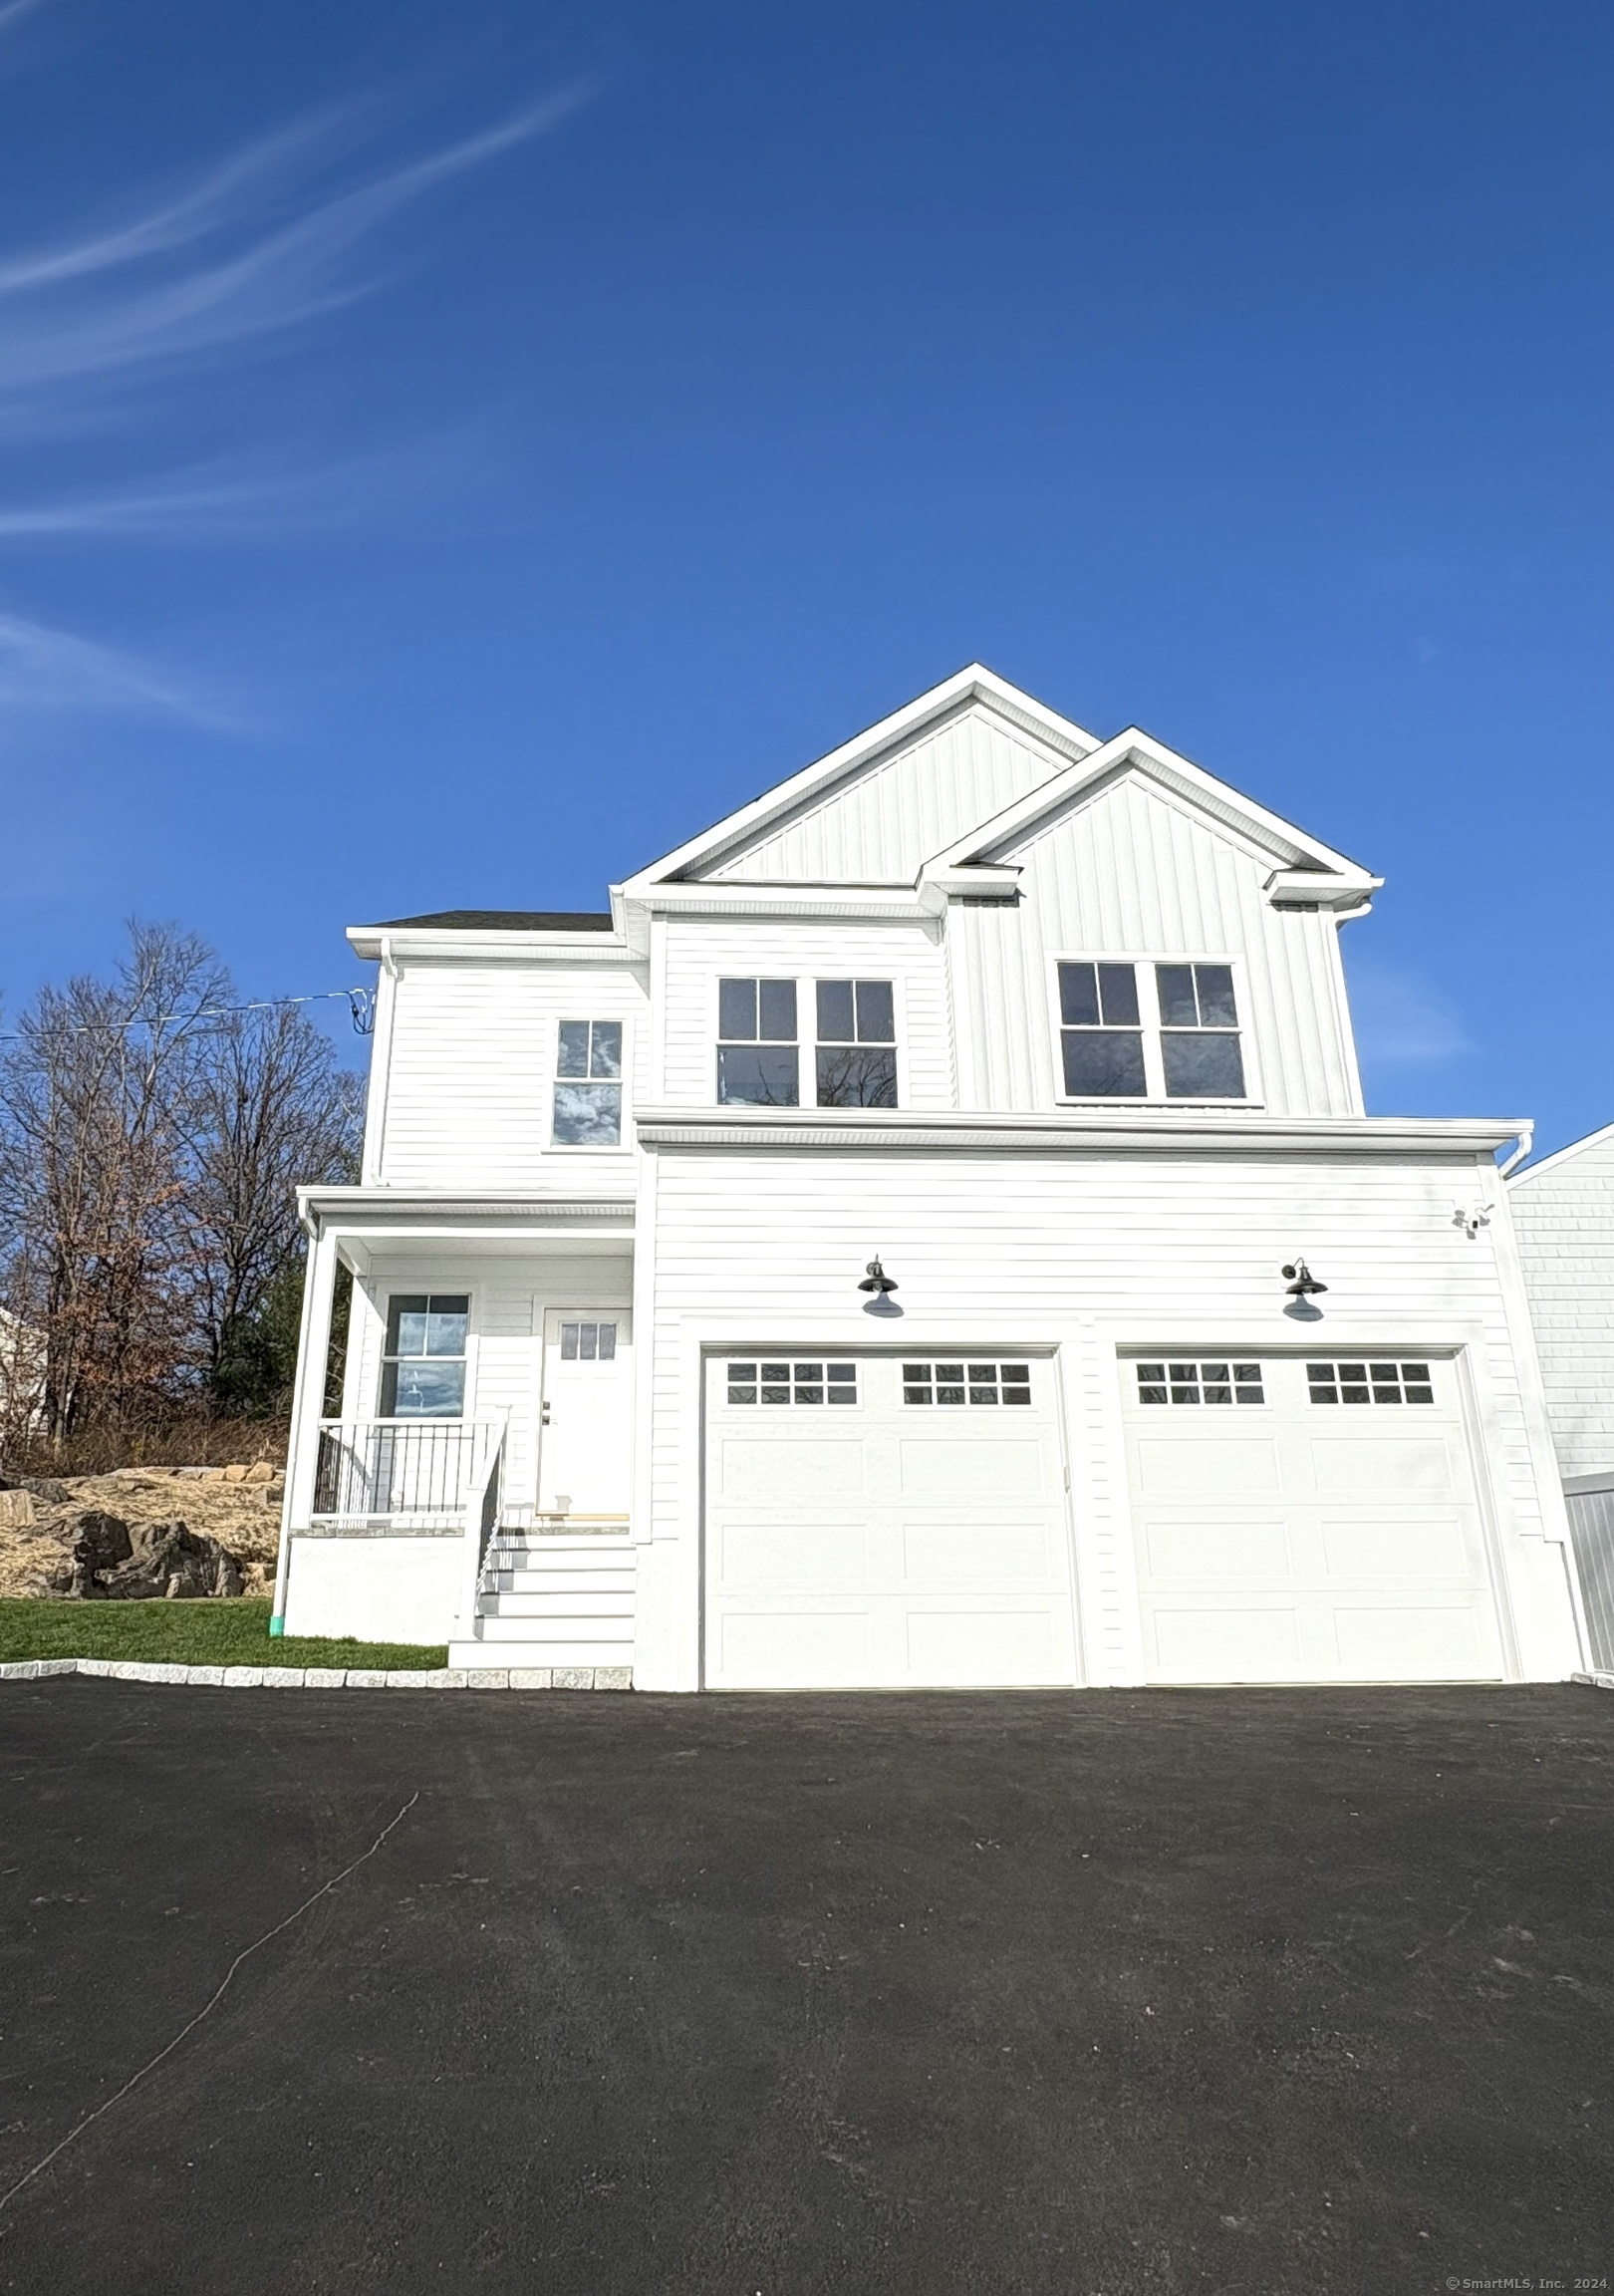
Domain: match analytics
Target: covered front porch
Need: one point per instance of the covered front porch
(462, 1457)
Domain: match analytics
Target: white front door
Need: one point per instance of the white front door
(884, 1521)
(585, 1446)
(1306, 1520)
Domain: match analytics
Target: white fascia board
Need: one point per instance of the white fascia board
(1562, 1156)
(725, 898)
(1442, 1137)
(372, 941)
(972, 684)
(416, 1209)
(1298, 856)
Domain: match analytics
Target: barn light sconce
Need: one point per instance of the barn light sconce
(1300, 1290)
(880, 1286)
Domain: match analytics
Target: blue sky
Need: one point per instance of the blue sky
(448, 453)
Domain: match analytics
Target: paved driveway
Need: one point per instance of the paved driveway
(1253, 1992)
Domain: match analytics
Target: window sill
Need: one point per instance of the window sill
(1154, 1107)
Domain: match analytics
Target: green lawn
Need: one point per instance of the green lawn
(206, 1634)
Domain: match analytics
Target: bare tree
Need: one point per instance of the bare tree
(268, 1109)
(91, 1173)
(151, 1141)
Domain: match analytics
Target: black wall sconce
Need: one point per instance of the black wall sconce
(1301, 1290)
(880, 1286)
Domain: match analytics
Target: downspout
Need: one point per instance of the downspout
(1524, 1142)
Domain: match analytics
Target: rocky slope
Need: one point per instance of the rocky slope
(188, 1530)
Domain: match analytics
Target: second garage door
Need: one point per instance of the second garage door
(1306, 1520)
(884, 1522)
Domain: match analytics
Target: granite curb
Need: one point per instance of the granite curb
(328, 1677)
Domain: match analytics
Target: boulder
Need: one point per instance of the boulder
(110, 1561)
(16, 1510)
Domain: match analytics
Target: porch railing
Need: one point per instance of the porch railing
(416, 1474)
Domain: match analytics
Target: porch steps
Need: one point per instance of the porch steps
(549, 1600)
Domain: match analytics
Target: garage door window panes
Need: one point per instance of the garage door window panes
(757, 1061)
(946, 1384)
(1369, 1383)
(1199, 1383)
(781, 1381)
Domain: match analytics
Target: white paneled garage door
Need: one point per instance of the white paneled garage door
(1306, 1520)
(884, 1522)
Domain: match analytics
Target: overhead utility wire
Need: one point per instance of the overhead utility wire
(361, 1006)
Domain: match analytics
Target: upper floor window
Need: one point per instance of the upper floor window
(1199, 1032)
(423, 1363)
(757, 1061)
(588, 1085)
(1134, 1032)
(857, 1044)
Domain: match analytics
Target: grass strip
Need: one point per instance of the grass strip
(216, 1632)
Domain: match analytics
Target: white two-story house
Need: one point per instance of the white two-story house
(927, 1231)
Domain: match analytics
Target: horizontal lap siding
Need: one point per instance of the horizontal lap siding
(1130, 872)
(990, 1250)
(1564, 1222)
(897, 813)
(509, 1298)
(472, 1068)
(700, 952)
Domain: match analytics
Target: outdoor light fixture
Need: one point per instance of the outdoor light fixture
(1302, 1283)
(876, 1280)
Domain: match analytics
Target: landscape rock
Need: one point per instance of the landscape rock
(109, 1560)
(16, 1510)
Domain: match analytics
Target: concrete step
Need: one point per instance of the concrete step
(545, 1604)
(544, 1650)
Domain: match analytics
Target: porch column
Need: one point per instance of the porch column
(307, 1408)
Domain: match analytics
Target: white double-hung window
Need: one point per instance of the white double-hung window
(588, 1086)
(1134, 1029)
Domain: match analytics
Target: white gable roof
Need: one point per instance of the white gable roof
(1304, 870)
(873, 810)
(958, 781)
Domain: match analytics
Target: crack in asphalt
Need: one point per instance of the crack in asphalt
(208, 2006)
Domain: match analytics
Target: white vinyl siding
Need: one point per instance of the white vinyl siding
(915, 802)
(703, 950)
(1087, 1254)
(469, 1097)
(1129, 870)
(1563, 1219)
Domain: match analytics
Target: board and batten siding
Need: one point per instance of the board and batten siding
(1084, 1255)
(1563, 1218)
(1129, 872)
(470, 1053)
(703, 950)
(903, 808)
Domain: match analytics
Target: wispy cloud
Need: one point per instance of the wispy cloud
(14, 10)
(1402, 1020)
(250, 250)
(42, 668)
(258, 500)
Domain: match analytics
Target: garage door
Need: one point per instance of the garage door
(884, 1522)
(1306, 1520)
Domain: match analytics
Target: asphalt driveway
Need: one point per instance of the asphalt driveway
(1093, 1993)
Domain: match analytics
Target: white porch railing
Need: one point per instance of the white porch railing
(408, 1474)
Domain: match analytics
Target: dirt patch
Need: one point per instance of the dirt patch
(239, 1507)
